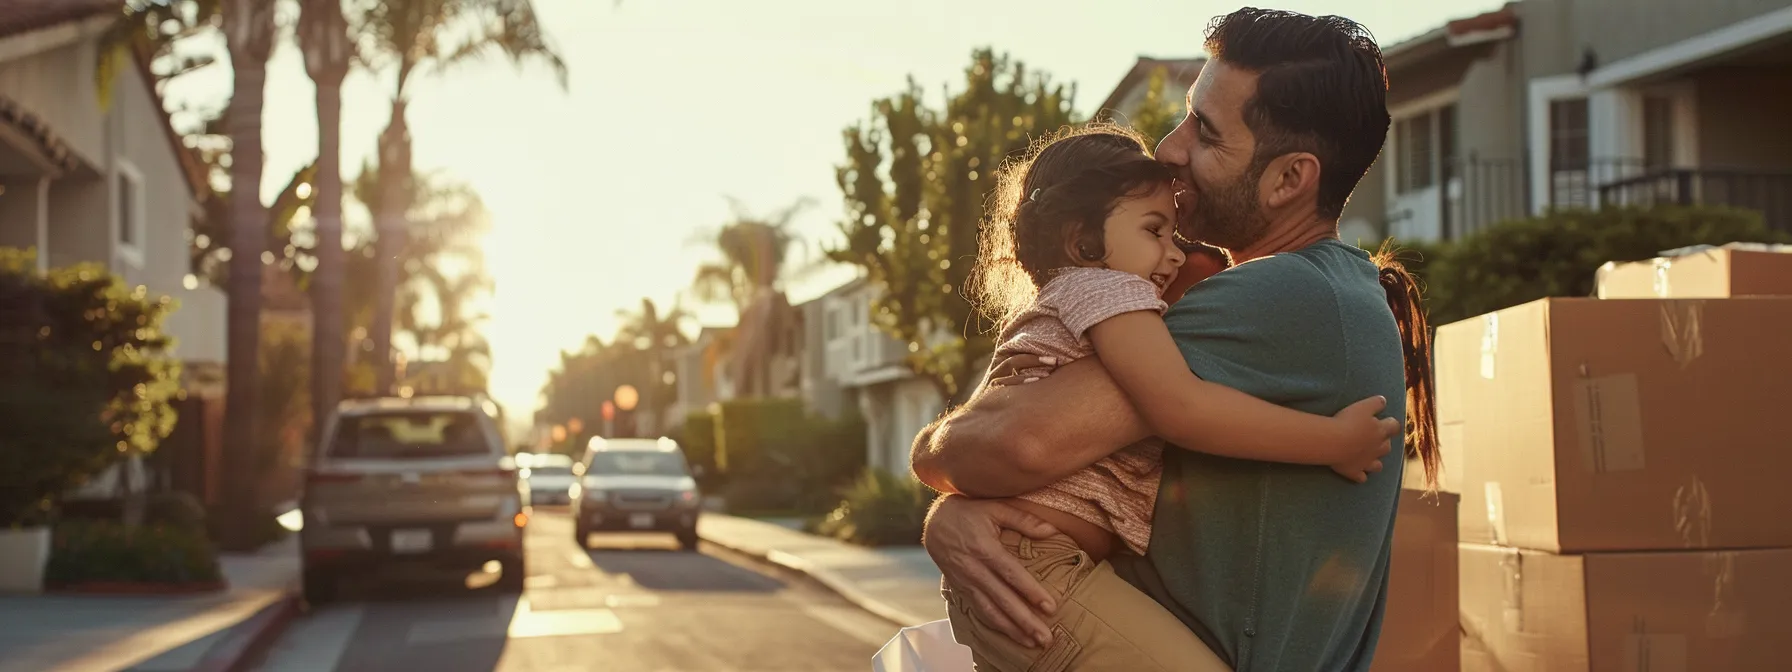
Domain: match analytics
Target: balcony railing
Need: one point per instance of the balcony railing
(1769, 193)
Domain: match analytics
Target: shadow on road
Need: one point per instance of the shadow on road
(672, 570)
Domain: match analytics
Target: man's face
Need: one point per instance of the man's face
(1212, 151)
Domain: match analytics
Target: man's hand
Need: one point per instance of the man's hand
(963, 537)
(1368, 437)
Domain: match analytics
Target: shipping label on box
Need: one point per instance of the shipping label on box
(1583, 425)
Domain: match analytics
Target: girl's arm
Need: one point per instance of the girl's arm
(1138, 351)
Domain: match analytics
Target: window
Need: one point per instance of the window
(1658, 132)
(1425, 145)
(402, 435)
(637, 463)
(127, 203)
(1568, 148)
(1413, 134)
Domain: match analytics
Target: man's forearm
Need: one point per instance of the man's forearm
(1017, 439)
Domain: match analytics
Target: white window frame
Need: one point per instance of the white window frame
(132, 252)
(1395, 154)
(1545, 90)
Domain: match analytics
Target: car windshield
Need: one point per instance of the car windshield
(409, 434)
(637, 463)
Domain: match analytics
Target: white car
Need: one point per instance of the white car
(635, 485)
(549, 475)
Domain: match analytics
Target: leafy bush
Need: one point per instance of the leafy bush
(1557, 254)
(86, 379)
(175, 509)
(96, 551)
(774, 456)
(880, 509)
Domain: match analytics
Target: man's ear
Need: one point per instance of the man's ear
(1289, 178)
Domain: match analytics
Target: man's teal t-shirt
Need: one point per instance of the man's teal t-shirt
(1280, 566)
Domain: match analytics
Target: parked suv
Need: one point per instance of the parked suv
(635, 485)
(422, 481)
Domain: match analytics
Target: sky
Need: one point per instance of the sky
(598, 191)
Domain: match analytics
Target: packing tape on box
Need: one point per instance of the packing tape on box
(1692, 513)
(1725, 619)
(1496, 512)
(1660, 283)
(1681, 329)
(1490, 343)
(1512, 593)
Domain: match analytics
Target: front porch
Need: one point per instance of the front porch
(1703, 121)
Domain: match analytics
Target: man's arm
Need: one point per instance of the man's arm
(1019, 438)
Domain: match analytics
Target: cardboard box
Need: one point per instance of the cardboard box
(1531, 611)
(1734, 270)
(1574, 425)
(1419, 632)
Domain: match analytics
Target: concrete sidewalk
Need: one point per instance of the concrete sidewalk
(899, 583)
(142, 633)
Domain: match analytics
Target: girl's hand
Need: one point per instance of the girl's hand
(1367, 436)
(1008, 371)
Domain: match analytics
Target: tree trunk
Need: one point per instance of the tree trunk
(390, 221)
(327, 333)
(249, 225)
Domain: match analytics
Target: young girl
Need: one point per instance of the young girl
(1086, 243)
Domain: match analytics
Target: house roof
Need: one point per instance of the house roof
(20, 16)
(1491, 26)
(23, 16)
(1178, 69)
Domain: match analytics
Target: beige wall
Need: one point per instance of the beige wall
(1557, 31)
(1745, 118)
(57, 86)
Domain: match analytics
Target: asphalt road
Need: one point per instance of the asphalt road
(629, 603)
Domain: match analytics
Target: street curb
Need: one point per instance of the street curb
(250, 637)
(828, 579)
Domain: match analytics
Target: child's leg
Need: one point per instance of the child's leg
(1103, 623)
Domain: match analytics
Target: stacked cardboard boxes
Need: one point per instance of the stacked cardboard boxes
(1621, 465)
(1419, 631)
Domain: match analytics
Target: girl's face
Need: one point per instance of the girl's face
(1139, 235)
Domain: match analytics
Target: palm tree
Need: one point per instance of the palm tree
(755, 253)
(324, 39)
(249, 37)
(655, 335)
(412, 36)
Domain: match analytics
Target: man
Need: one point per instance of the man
(1274, 566)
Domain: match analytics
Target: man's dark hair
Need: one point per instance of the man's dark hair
(1321, 88)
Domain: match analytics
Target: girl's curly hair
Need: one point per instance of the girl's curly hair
(1054, 200)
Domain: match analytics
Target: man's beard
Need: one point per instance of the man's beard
(1228, 216)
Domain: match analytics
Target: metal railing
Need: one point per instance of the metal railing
(1766, 192)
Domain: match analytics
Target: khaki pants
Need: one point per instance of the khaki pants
(1103, 623)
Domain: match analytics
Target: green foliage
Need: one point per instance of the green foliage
(698, 438)
(175, 509)
(86, 379)
(915, 180)
(92, 551)
(773, 455)
(1557, 254)
(880, 509)
(1160, 110)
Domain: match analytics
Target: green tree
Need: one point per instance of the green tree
(756, 257)
(88, 380)
(915, 181)
(412, 37)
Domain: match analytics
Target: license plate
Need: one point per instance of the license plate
(410, 541)
(640, 520)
